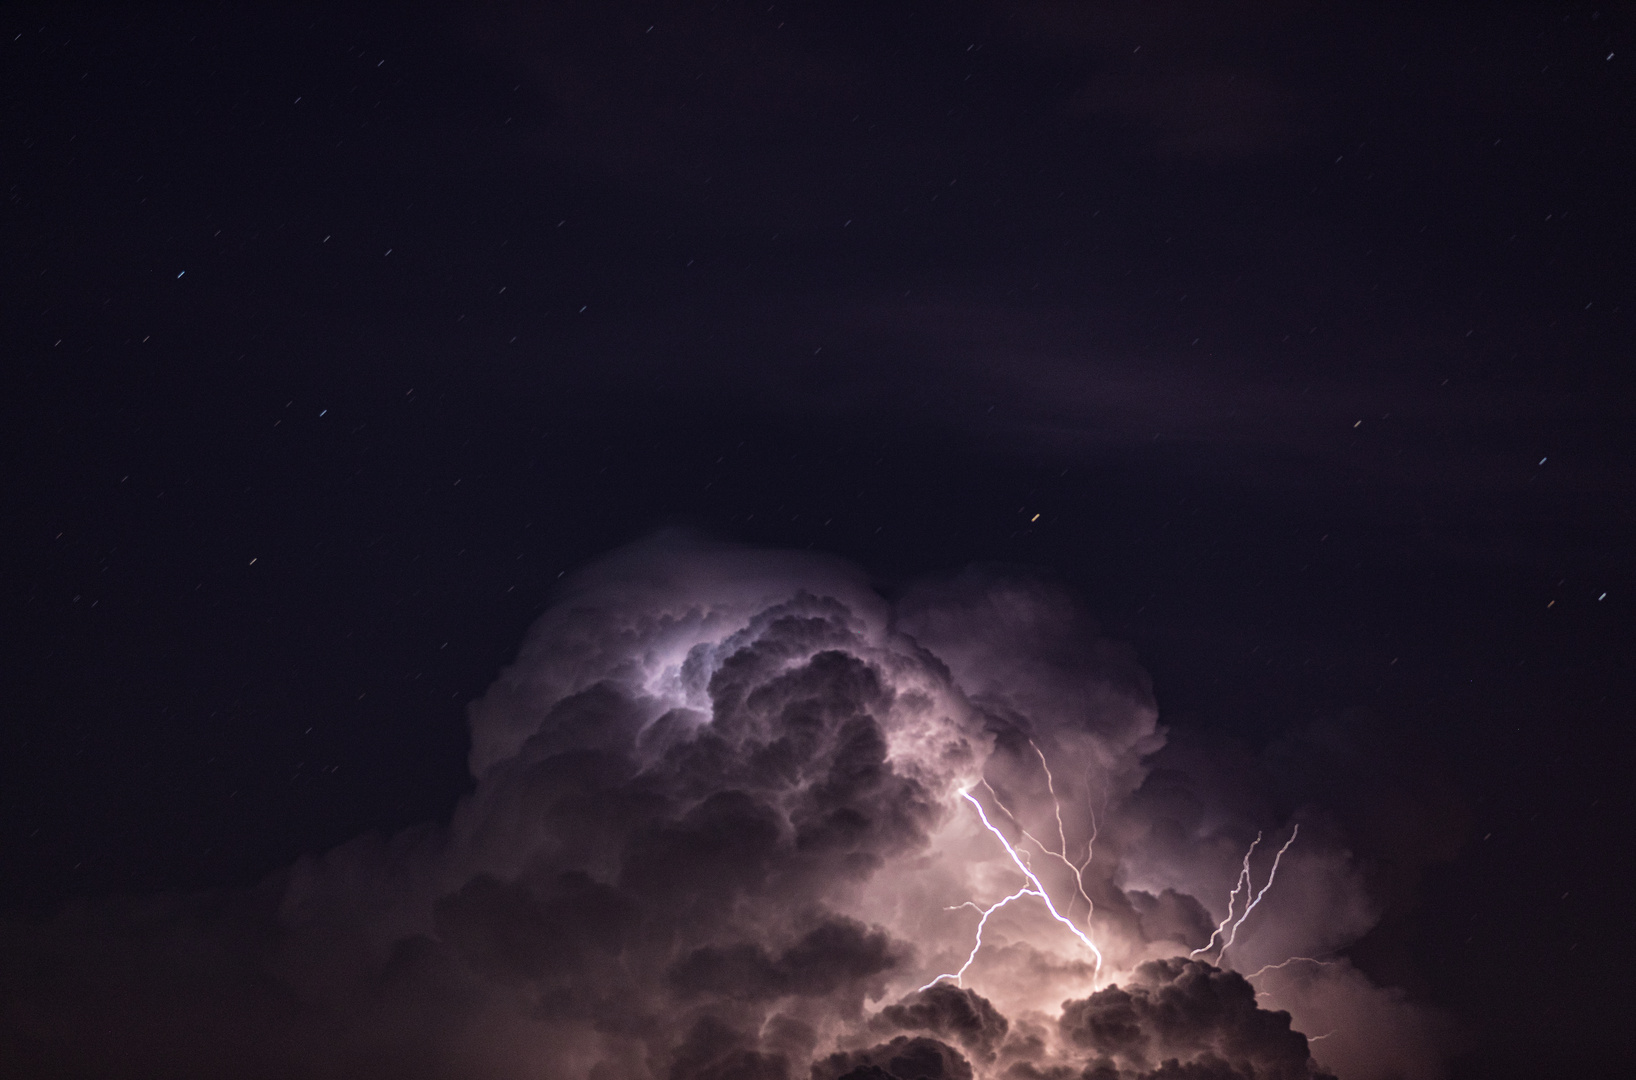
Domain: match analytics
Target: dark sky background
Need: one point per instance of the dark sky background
(1294, 337)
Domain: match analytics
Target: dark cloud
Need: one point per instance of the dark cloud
(1171, 916)
(904, 1058)
(950, 1012)
(506, 931)
(832, 955)
(713, 1051)
(1187, 1018)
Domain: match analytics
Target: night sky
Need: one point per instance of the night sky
(1293, 339)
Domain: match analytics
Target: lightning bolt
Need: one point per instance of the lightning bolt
(1062, 835)
(959, 976)
(1034, 888)
(1096, 827)
(1245, 884)
(1272, 874)
(1051, 785)
(1287, 963)
(1232, 898)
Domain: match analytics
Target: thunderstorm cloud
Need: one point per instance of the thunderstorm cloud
(725, 827)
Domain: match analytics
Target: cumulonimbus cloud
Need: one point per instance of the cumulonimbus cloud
(738, 818)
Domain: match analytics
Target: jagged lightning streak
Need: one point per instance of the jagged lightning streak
(1061, 856)
(1038, 887)
(1062, 835)
(1096, 825)
(1232, 898)
(959, 976)
(1270, 876)
(1275, 967)
(1051, 786)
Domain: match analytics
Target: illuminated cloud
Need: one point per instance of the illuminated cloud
(733, 811)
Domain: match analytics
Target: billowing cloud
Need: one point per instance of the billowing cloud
(1179, 1010)
(903, 1058)
(737, 817)
(952, 1013)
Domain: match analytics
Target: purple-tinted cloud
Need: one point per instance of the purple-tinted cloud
(725, 826)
